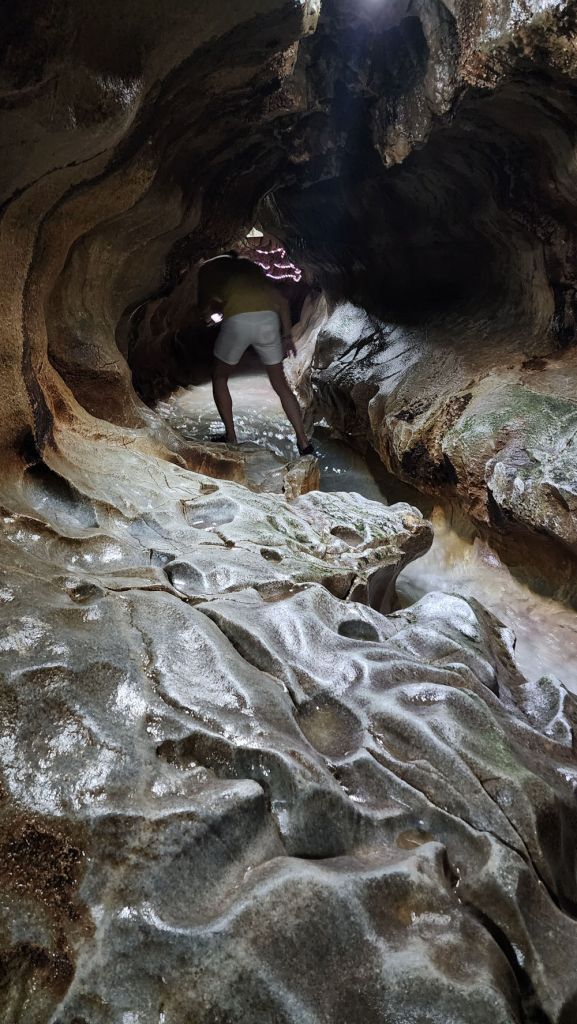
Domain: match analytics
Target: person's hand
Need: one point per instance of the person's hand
(288, 345)
(213, 314)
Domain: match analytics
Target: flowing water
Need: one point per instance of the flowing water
(546, 631)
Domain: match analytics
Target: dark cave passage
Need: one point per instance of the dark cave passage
(289, 739)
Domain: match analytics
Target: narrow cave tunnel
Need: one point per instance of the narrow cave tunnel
(289, 738)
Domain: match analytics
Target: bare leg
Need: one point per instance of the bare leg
(222, 399)
(288, 401)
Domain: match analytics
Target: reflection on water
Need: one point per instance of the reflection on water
(546, 631)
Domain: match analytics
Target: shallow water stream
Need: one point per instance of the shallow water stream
(546, 631)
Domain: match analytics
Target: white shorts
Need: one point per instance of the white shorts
(261, 330)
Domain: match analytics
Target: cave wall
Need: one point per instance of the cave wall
(417, 159)
(475, 417)
(231, 789)
(436, 175)
(441, 203)
(118, 129)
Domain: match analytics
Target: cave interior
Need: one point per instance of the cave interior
(289, 740)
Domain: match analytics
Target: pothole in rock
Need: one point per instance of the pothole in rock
(83, 592)
(209, 514)
(413, 838)
(358, 629)
(60, 503)
(271, 555)
(347, 534)
(185, 578)
(330, 727)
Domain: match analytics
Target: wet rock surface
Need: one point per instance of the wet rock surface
(489, 427)
(252, 464)
(134, 800)
(231, 795)
(231, 789)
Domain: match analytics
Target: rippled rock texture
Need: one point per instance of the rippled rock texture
(232, 790)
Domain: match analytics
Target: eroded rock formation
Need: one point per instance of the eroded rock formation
(232, 795)
(456, 245)
(488, 428)
(232, 789)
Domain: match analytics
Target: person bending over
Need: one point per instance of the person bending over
(253, 311)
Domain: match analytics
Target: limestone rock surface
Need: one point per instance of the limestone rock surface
(483, 422)
(104, 665)
(253, 466)
(229, 794)
(232, 791)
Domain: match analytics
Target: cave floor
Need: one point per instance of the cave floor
(546, 631)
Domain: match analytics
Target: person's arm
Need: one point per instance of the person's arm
(215, 305)
(284, 313)
(208, 301)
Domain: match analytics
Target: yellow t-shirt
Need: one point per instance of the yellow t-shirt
(239, 284)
